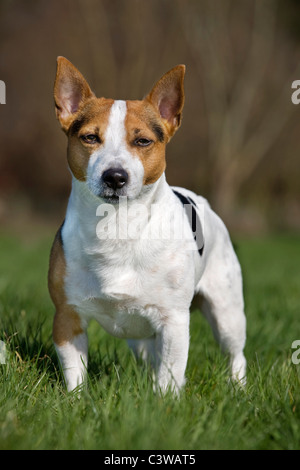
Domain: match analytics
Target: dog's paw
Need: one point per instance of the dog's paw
(167, 386)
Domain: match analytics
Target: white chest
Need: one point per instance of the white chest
(127, 285)
(124, 294)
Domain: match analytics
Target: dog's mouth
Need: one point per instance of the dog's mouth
(111, 196)
(110, 199)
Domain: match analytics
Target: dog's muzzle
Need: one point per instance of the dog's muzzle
(114, 181)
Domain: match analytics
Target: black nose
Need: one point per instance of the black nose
(115, 178)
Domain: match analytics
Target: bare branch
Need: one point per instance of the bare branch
(250, 79)
(95, 17)
(265, 136)
(200, 26)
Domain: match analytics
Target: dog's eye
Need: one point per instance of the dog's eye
(142, 142)
(90, 139)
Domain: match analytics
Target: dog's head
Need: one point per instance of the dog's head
(117, 147)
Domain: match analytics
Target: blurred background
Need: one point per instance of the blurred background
(239, 143)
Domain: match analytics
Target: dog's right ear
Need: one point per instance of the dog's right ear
(70, 91)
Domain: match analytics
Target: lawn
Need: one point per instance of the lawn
(118, 409)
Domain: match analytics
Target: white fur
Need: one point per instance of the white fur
(141, 289)
(73, 360)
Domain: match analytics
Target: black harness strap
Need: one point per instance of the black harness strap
(194, 220)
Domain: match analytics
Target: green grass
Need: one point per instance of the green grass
(118, 409)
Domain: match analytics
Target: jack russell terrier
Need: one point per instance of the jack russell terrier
(123, 255)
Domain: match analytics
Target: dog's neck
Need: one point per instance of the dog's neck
(86, 212)
(85, 209)
(83, 199)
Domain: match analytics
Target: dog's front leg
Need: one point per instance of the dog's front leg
(71, 345)
(172, 344)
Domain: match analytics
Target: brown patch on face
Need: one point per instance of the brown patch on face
(143, 122)
(67, 322)
(93, 120)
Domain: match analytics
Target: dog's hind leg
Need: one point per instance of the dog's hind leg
(223, 306)
(228, 325)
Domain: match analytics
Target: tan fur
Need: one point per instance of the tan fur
(69, 79)
(140, 116)
(66, 323)
(169, 89)
(163, 105)
(94, 114)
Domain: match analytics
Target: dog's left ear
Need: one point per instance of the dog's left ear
(71, 90)
(167, 96)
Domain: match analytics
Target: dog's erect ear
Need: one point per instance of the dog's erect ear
(70, 92)
(167, 96)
